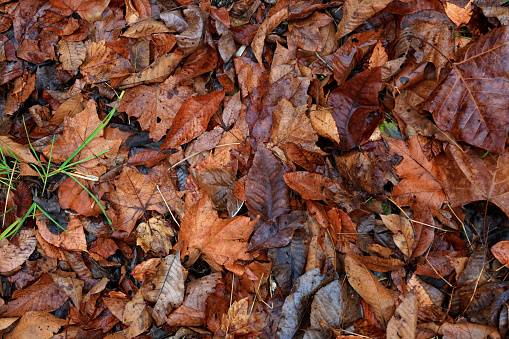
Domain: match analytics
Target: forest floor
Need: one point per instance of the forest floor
(254, 169)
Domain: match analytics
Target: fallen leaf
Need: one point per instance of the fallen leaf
(155, 235)
(357, 11)
(353, 104)
(14, 256)
(419, 185)
(404, 322)
(89, 10)
(222, 241)
(241, 321)
(501, 252)
(136, 316)
(192, 311)
(155, 107)
(296, 303)
(467, 177)
(467, 103)
(168, 287)
(36, 324)
(403, 230)
(44, 296)
(136, 193)
(458, 15)
(370, 289)
(192, 119)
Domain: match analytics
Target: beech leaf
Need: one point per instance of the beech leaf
(370, 289)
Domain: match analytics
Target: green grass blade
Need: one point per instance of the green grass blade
(93, 135)
(50, 218)
(91, 195)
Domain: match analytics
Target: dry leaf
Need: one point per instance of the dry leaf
(370, 289)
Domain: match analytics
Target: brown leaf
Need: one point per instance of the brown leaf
(468, 330)
(136, 316)
(418, 186)
(155, 107)
(266, 192)
(35, 324)
(324, 124)
(76, 132)
(458, 15)
(21, 152)
(191, 38)
(89, 10)
(467, 177)
(241, 321)
(222, 241)
(403, 230)
(145, 27)
(349, 55)
(192, 119)
(192, 311)
(219, 184)
(310, 186)
(265, 28)
(45, 296)
(73, 239)
(296, 303)
(353, 104)
(14, 256)
(430, 26)
(304, 158)
(136, 193)
(71, 54)
(168, 287)
(156, 72)
(468, 102)
(404, 322)
(291, 124)
(356, 12)
(155, 235)
(370, 289)
(501, 252)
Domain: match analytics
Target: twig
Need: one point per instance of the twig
(325, 62)
(168, 207)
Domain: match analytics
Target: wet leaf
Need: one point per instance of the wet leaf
(353, 104)
(477, 93)
(355, 12)
(14, 256)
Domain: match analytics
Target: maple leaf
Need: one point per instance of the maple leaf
(222, 241)
(76, 132)
(418, 186)
(156, 106)
(469, 102)
(136, 193)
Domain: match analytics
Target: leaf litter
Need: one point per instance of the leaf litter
(268, 169)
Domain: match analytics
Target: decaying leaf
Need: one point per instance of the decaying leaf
(404, 322)
(13, 256)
